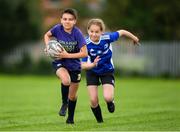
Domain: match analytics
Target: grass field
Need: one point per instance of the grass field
(32, 103)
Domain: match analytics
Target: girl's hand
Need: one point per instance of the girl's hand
(96, 60)
(135, 40)
(63, 54)
(45, 50)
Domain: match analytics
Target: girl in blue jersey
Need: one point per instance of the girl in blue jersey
(99, 63)
(67, 66)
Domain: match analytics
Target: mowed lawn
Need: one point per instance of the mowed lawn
(32, 103)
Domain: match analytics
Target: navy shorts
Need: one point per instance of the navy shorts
(95, 79)
(74, 75)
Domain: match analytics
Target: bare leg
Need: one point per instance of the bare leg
(108, 92)
(95, 107)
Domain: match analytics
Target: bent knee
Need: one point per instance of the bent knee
(108, 98)
(66, 82)
(94, 102)
(72, 97)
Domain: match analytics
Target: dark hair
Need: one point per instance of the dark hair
(70, 11)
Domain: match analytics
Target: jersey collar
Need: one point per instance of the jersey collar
(96, 43)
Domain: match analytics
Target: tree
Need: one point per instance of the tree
(20, 21)
(151, 19)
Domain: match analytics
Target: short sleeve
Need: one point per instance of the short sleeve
(54, 30)
(114, 36)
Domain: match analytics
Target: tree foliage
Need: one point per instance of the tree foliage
(151, 19)
(19, 21)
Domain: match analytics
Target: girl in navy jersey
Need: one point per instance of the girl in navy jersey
(99, 63)
(67, 64)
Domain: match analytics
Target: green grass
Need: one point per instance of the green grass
(32, 103)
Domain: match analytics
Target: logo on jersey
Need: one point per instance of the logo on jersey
(92, 52)
(68, 46)
(95, 53)
(99, 52)
(105, 46)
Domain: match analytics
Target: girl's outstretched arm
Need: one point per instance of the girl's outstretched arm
(129, 35)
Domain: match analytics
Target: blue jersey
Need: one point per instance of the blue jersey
(72, 43)
(104, 50)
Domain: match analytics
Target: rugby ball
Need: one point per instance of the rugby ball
(53, 48)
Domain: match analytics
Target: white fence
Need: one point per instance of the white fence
(34, 49)
(151, 58)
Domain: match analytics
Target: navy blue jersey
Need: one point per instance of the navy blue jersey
(72, 43)
(104, 50)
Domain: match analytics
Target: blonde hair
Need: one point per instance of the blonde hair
(98, 22)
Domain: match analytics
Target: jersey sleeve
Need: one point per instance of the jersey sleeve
(53, 30)
(113, 36)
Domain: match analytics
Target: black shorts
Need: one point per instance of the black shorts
(94, 79)
(74, 75)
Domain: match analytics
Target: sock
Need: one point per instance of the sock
(111, 106)
(64, 93)
(71, 109)
(97, 113)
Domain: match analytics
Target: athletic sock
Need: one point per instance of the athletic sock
(111, 106)
(64, 93)
(97, 113)
(71, 109)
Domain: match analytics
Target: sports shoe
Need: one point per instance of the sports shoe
(111, 106)
(63, 110)
(68, 121)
